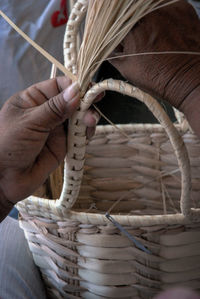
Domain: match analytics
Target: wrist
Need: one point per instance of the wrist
(182, 82)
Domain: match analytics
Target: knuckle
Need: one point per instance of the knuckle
(56, 109)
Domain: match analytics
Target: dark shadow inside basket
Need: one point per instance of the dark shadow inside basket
(122, 109)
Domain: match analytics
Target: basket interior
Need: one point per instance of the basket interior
(138, 175)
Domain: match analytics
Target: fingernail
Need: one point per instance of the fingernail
(90, 132)
(71, 91)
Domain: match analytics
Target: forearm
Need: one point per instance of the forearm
(5, 206)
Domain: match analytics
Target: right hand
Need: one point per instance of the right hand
(33, 135)
(171, 77)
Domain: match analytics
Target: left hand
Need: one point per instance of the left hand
(32, 135)
(174, 78)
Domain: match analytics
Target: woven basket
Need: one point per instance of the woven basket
(130, 226)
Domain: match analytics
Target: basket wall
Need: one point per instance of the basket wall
(82, 260)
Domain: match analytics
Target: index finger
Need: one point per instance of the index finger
(52, 87)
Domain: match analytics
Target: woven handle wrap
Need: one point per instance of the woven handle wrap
(70, 38)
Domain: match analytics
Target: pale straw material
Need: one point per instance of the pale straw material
(145, 181)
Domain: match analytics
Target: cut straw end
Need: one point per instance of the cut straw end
(48, 56)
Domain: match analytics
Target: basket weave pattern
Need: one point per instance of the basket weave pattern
(84, 256)
(90, 261)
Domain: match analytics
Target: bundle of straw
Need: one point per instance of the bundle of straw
(107, 23)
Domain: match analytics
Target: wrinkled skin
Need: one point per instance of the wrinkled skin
(173, 77)
(33, 137)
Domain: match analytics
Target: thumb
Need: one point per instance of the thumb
(57, 109)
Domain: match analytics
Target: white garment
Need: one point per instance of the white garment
(19, 277)
(20, 64)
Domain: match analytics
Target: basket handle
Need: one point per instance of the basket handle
(77, 140)
(74, 162)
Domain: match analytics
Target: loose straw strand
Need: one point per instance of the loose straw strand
(53, 71)
(162, 175)
(111, 123)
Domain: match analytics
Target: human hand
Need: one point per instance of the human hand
(171, 77)
(32, 135)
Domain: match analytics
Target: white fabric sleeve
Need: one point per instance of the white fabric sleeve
(21, 65)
